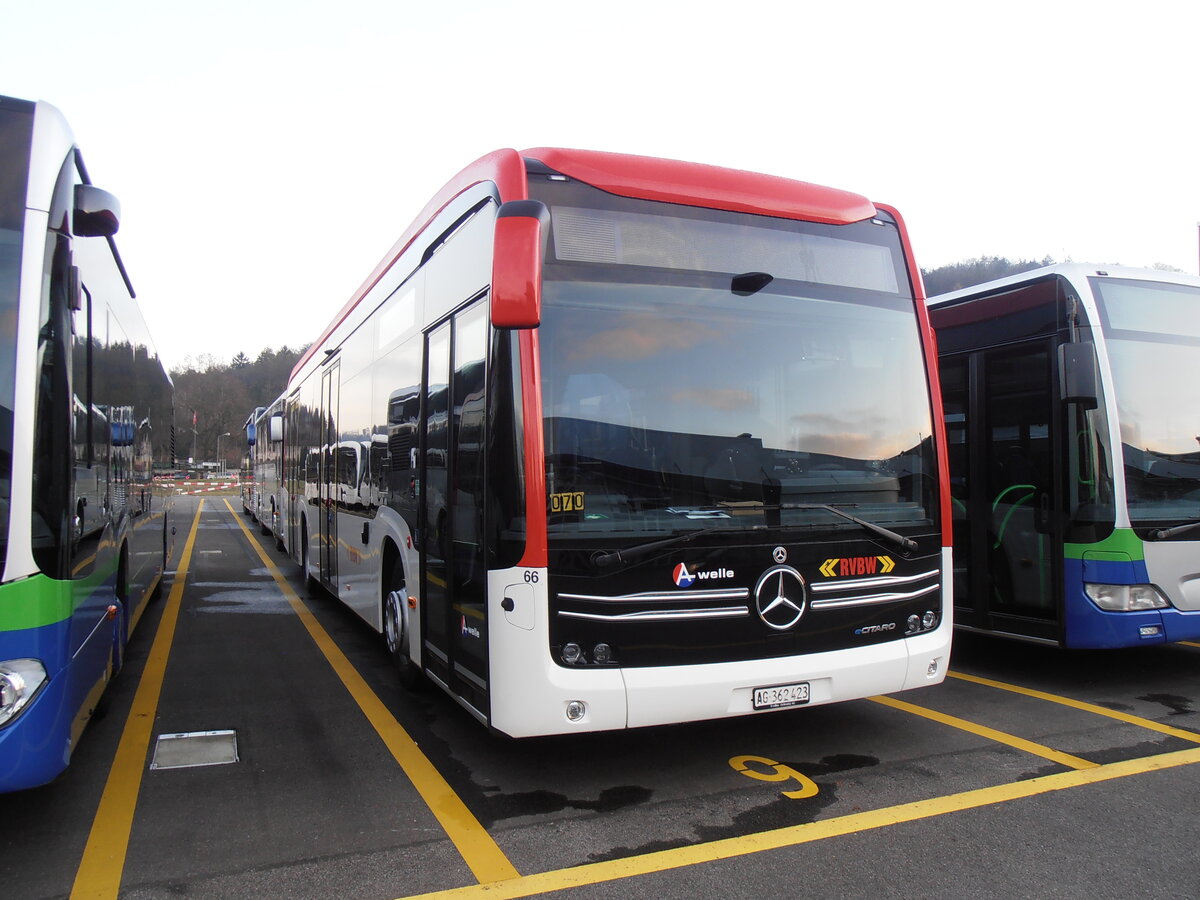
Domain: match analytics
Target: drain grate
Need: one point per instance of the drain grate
(195, 748)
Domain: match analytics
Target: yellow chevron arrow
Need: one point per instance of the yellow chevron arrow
(827, 569)
(886, 563)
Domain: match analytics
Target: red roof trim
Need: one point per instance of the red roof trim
(694, 184)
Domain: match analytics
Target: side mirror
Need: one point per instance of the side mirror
(97, 212)
(251, 435)
(276, 429)
(522, 228)
(1079, 374)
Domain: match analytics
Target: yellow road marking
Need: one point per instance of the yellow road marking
(480, 852)
(1080, 705)
(808, 787)
(791, 836)
(100, 869)
(1189, 644)
(1001, 737)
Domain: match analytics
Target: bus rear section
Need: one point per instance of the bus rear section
(1071, 395)
(653, 442)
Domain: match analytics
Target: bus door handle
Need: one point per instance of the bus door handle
(366, 535)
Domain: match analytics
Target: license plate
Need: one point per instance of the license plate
(781, 695)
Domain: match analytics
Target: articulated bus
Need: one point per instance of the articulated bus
(1072, 406)
(85, 416)
(263, 498)
(608, 441)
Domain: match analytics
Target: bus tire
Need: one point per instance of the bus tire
(121, 621)
(276, 528)
(309, 581)
(396, 629)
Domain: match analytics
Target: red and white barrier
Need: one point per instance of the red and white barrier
(203, 487)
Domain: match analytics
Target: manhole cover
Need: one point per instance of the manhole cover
(195, 748)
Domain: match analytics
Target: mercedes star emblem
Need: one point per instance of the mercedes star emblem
(781, 597)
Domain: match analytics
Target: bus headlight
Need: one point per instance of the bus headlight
(1126, 597)
(20, 679)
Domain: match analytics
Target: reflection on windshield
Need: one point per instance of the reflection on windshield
(1154, 346)
(675, 407)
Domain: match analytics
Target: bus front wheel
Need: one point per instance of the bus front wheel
(396, 626)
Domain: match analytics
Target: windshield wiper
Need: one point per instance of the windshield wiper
(1162, 534)
(904, 543)
(602, 559)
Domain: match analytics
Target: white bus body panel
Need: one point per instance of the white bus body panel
(1174, 566)
(529, 692)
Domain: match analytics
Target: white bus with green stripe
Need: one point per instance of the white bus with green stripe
(1072, 406)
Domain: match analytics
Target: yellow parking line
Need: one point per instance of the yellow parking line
(1080, 705)
(791, 836)
(100, 869)
(1002, 737)
(480, 852)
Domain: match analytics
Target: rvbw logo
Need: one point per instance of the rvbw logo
(469, 630)
(684, 578)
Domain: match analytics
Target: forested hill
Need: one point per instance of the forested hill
(975, 271)
(219, 397)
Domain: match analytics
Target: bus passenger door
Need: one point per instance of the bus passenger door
(435, 507)
(469, 635)
(327, 516)
(1001, 416)
(454, 573)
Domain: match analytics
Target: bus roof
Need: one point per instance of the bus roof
(1073, 271)
(643, 177)
(695, 184)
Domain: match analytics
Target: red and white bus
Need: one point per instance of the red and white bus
(608, 441)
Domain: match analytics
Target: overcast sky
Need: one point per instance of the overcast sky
(268, 152)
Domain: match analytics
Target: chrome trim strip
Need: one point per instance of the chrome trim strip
(837, 602)
(661, 596)
(1045, 642)
(458, 698)
(883, 581)
(470, 676)
(664, 615)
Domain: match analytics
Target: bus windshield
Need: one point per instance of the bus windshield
(715, 370)
(1153, 332)
(16, 129)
